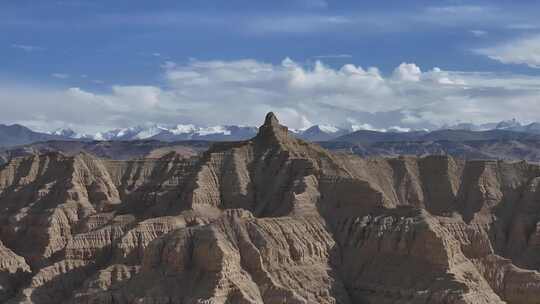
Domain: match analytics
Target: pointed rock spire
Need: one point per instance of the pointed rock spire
(271, 130)
(271, 119)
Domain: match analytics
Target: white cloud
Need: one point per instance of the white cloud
(522, 26)
(398, 129)
(77, 93)
(525, 50)
(478, 33)
(318, 91)
(356, 126)
(60, 75)
(297, 23)
(456, 9)
(242, 91)
(142, 96)
(442, 77)
(168, 65)
(407, 72)
(27, 48)
(296, 19)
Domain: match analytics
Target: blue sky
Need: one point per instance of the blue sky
(221, 62)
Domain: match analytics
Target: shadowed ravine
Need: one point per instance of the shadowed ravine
(269, 220)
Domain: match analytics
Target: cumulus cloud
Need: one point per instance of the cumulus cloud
(525, 50)
(242, 91)
(407, 72)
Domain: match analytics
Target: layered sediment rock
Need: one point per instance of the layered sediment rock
(269, 220)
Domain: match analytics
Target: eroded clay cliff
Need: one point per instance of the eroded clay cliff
(269, 220)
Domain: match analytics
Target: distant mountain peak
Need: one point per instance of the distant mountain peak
(183, 129)
(322, 132)
(70, 133)
(64, 132)
(17, 134)
(328, 128)
(508, 124)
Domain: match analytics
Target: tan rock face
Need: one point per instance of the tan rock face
(269, 220)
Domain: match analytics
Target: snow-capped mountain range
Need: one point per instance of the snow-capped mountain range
(11, 135)
(322, 132)
(509, 125)
(192, 132)
(166, 133)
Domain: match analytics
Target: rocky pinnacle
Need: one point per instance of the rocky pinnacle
(271, 131)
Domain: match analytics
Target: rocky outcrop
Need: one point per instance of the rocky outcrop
(13, 271)
(269, 220)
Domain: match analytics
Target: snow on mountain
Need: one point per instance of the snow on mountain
(461, 126)
(398, 129)
(321, 132)
(329, 128)
(367, 127)
(508, 125)
(503, 125)
(132, 133)
(533, 128)
(149, 132)
(183, 129)
(178, 132)
(115, 134)
(214, 133)
(69, 133)
(213, 130)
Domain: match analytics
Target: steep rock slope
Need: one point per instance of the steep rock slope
(269, 220)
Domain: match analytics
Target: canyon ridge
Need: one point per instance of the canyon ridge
(273, 219)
